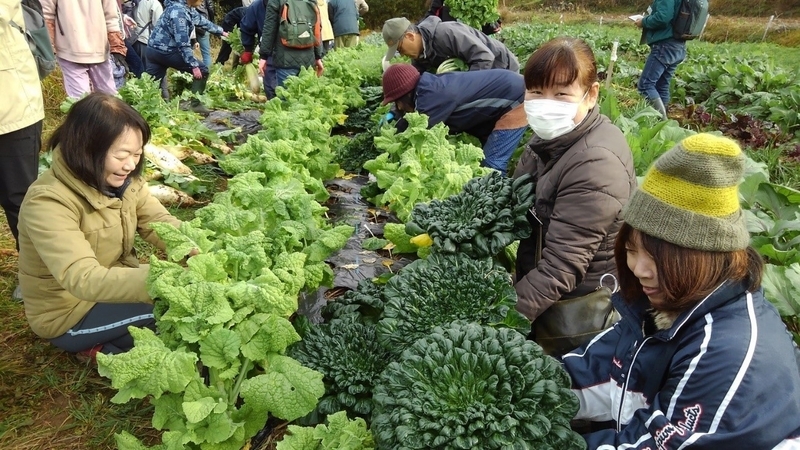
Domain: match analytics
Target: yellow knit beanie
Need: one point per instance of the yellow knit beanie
(690, 196)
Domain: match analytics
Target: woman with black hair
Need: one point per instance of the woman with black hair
(81, 280)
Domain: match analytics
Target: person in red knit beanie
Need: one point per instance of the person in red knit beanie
(485, 103)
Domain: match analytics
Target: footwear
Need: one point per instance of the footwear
(17, 295)
(196, 106)
(658, 104)
(90, 355)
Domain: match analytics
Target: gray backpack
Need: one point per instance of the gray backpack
(37, 36)
(690, 20)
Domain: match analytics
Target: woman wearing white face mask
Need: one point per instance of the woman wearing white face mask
(584, 174)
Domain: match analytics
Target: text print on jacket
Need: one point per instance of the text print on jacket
(724, 376)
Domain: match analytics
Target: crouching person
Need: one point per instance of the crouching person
(700, 359)
(487, 104)
(170, 45)
(81, 280)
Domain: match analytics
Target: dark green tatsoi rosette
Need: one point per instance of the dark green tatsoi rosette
(365, 304)
(468, 386)
(486, 216)
(442, 288)
(350, 359)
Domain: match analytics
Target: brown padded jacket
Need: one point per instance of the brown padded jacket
(583, 179)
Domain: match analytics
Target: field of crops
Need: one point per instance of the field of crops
(305, 209)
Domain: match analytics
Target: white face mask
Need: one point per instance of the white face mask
(550, 119)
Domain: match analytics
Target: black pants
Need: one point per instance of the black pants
(107, 324)
(19, 166)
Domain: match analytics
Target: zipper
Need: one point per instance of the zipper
(58, 20)
(625, 384)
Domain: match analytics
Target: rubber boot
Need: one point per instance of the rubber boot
(198, 86)
(659, 106)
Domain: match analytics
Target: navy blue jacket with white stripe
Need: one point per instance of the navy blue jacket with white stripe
(723, 376)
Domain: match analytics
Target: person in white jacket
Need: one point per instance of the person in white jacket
(21, 115)
(82, 33)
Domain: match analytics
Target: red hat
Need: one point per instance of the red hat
(399, 80)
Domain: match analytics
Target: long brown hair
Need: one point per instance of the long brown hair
(685, 275)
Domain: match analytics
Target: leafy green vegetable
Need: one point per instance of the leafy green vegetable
(420, 164)
(339, 434)
(365, 304)
(396, 234)
(480, 221)
(350, 358)
(474, 13)
(442, 288)
(467, 386)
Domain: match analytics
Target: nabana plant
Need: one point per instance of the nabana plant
(467, 386)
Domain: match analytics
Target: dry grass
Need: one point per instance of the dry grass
(782, 31)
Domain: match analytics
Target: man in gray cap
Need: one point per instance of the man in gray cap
(432, 41)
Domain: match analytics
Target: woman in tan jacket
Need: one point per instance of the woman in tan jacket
(80, 277)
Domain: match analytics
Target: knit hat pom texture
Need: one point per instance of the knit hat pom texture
(690, 196)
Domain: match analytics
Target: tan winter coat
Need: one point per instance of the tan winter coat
(583, 179)
(327, 28)
(76, 248)
(80, 29)
(21, 104)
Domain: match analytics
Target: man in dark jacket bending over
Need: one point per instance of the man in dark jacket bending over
(486, 104)
(432, 41)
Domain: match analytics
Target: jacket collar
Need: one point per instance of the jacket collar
(97, 199)
(427, 29)
(549, 151)
(634, 313)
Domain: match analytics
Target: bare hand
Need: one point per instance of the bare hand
(262, 66)
(318, 67)
(638, 23)
(197, 73)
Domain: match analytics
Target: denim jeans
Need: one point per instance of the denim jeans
(205, 47)
(158, 63)
(270, 79)
(499, 147)
(282, 73)
(660, 66)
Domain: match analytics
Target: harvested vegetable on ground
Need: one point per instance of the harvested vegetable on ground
(169, 196)
(165, 160)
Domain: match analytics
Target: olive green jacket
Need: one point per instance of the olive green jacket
(270, 45)
(76, 247)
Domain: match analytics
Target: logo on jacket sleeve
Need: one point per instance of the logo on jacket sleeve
(681, 428)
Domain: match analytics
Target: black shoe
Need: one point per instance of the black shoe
(198, 107)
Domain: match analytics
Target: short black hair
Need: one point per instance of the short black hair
(87, 133)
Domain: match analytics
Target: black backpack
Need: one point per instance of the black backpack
(37, 36)
(690, 20)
